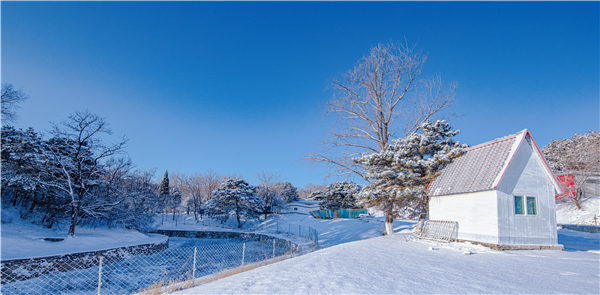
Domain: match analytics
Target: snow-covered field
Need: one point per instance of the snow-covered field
(356, 258)
(399, 264)
(567, 212)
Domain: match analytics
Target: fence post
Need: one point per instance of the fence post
(243, 254)
(273, 248)
(299, 230)
(100, 274)
(194, 269)
(289, 228)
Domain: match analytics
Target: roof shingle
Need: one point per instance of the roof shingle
(477, 169)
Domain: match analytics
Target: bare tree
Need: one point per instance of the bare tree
(383, 97)
(578, 156)
(310, 188)
(75, 161)
(267, 191)
(211, 181)
(10, 102)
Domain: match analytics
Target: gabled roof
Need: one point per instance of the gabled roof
(483, 166)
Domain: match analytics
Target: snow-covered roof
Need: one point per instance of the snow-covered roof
(483, 166)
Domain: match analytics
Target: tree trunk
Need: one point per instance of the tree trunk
(74, 213)
(389, 222)
(238, 219)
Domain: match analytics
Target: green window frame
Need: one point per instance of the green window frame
(526, 205)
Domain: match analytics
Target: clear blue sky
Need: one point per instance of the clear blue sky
(236, 86)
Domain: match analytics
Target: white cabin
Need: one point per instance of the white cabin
(303, 206)
(501, 193)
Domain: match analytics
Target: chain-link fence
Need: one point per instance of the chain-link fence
(295, 230)
(187, 262)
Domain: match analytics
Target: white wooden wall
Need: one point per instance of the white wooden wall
(525, 177)
(476, 214)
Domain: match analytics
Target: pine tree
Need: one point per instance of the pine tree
(288, 192)
(163, 190)
(164, 193)
(235, 197)
(400, 173)
(339, 195)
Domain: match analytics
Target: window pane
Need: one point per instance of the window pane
(519, 205)
(531, 209)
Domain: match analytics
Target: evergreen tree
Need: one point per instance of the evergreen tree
(163, 189)
(164, 193)
(235, 196)
(288, 192)
(339, 195)
(400, 173)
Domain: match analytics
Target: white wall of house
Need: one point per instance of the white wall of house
(526, 177)
(303, 207)
(476, 214)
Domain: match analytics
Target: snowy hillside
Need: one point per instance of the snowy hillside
(567, 212)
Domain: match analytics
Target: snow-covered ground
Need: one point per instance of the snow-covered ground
(399, 264)
(567, 212)
(356, 258)
(22, 239)
(331, 231)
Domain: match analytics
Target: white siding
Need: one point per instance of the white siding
(476, 214)
(525, 177)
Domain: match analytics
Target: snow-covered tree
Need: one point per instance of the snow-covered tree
(270, 191)
(578, 156)
(22, 161)
(288, 192)
(235, 196)
(164, 194)
(382, 97)
(339, 195)
(399, 174)
(76, 156)
(174, 201)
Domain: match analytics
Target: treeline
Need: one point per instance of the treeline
(74, 176)
(221, 196)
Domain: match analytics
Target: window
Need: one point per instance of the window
(519, 205)
(525, 205)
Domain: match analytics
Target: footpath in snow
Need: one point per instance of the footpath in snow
(400, 264)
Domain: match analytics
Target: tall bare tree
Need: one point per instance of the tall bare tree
(382, 97)
(76, 157)
(578, 156)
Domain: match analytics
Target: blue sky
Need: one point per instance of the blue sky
(236, 87)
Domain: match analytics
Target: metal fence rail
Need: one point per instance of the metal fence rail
(439, 230)
(136, 273)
